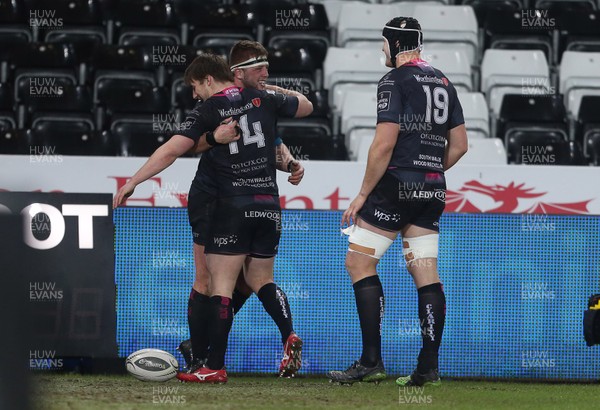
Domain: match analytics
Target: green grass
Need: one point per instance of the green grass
(69, 391)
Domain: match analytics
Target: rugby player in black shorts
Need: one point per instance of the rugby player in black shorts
(249, 64)
(420, 133)
(246, 218)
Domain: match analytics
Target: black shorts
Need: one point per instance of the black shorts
(246, 225)
(416, 198)
(200, 211)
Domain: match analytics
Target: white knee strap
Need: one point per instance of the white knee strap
(367, 242)
(420, 247)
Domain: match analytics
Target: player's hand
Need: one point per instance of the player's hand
(297, 173)
(349, 216)
(125, 192)
(228, 131)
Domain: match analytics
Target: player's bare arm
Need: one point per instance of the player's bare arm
(286, 162)
(305, 107)
(161, 159)
(457, 146)
(380, 153)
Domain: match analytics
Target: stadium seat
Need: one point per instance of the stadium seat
(484, 151)
(137, 136)
(118, 95)
(320, 102)
(580, 31)
(521, 30)
(588, 123)
(346, 68)
(304, 26)
(207, 24)
(578, 77)
(67, 133)
(565, 6)
(359, 142)
(72, 98)
(82, 23)
(181, 95)
(295, 64)
(44, 85)
(513, 72)
(307, 139)
(453, 63)
(359, 111)
(532, 115)
(592, 147)
(440, 28)
(485, 8)
(542, 149)
(475, 112)
(6, 97)
(145, 22)
(13, 141)
(7, 121)
(43, 55)
(362, 22)
(14, 35)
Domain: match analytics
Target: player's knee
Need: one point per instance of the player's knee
(420, 249)
(366, 242)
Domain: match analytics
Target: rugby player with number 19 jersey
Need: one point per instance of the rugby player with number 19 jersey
(420, 133)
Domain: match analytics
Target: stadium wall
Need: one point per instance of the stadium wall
(516, 288)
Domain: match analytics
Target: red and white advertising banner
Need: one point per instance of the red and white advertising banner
(326, 184)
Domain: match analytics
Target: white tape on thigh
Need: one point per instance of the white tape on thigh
(420, 247)
(366, 242)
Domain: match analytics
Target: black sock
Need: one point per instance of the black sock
(276, 304)
(369, 303)
(432, 315)
(238, 300)
(221, 319)
(198, 319)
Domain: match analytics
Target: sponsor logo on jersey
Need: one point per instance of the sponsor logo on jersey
(383, 100)
(235, 111)
(430, 79)
(225, 240)
(256, 102)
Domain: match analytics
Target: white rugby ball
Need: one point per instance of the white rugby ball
(152, 365)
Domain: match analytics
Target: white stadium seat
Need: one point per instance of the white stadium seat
(360, 140)
(453, 63)
(454, 26)
(360, 22)
(513, 72)
(359, 110)
(484, 151)
(346, 68)
(475, 112)
(579, 76)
